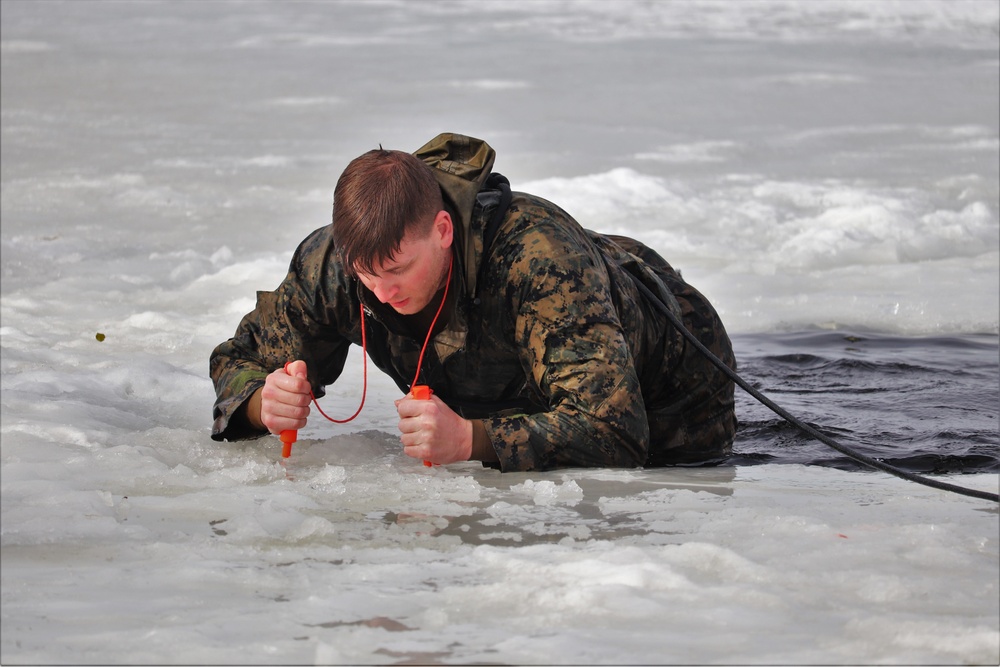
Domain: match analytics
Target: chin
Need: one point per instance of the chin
(406, 309)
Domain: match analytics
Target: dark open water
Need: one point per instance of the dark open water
(926, 405)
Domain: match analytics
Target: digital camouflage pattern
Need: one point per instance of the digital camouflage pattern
(547, 341)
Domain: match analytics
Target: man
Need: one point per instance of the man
(536, 336)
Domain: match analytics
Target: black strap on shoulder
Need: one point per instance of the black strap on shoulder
(499, 182)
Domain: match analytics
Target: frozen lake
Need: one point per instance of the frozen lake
(828, 174)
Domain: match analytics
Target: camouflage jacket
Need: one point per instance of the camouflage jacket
(548, 342)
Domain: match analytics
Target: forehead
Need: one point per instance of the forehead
(409, 250)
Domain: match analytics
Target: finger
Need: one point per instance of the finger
(276, 423)
(275, 391)
(292, 383)
(289, 411)
(279, 382)
(409, 407)
(405, 408)
(278, 426)
(296, 398)
(416, 451)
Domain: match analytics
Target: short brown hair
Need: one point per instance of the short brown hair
(380, 197)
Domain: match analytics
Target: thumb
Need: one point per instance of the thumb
(297, 369)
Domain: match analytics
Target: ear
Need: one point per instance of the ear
(444, 229)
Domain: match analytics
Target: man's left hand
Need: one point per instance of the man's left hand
(432, 431)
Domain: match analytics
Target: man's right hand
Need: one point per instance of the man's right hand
(282, 404)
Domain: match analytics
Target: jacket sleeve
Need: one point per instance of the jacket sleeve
(309, 317)
(573, 351)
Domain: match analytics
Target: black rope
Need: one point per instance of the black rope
(826, 440)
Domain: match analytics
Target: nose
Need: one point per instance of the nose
(384, 290)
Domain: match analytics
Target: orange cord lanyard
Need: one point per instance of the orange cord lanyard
(289, 437)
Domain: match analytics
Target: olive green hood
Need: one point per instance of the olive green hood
(461, 166)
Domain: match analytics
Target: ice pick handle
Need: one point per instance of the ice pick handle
(422, 392)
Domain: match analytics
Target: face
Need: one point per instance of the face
(410, 279)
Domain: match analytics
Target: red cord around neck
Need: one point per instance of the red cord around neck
(430, 330)
(364, 385)
(364, 352)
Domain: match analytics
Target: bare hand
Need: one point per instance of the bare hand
(432, 431)
(284, 398)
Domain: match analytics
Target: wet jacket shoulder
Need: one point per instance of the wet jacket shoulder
(313, 315)
(546, 290)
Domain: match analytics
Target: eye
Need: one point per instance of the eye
(399, 269)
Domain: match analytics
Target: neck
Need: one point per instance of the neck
(433, 311)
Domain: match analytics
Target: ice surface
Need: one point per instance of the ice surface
(806, 165)
(236, 558)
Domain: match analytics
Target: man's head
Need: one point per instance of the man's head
(391, 229)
